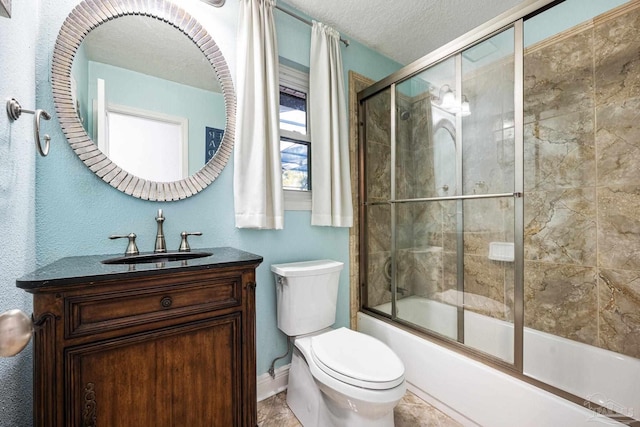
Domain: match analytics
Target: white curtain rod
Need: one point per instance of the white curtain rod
(306, 21)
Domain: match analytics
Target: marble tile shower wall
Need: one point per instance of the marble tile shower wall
(378, 179)
(421, 243)
(419, 227)
(426, 232)
(488, 168)
(582, 204)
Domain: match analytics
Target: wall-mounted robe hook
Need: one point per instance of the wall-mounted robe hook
(14, 110)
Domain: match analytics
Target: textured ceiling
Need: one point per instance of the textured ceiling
(151, 47)
(403, 30)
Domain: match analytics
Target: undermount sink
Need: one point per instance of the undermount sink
(156, 257)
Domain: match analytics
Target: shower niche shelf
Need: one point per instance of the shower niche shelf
(501, 251)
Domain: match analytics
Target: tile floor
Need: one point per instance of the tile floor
(410, 412)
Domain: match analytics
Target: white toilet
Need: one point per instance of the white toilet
(338, 377)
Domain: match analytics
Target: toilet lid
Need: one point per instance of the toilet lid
(357, 359)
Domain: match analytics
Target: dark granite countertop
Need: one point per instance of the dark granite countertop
(89, 268)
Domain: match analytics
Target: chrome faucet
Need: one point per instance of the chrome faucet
(132, 248)
(160, 243)
(184, 244)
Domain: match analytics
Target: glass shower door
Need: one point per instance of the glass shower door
(489, 208)
(440, 198)
(426, 169)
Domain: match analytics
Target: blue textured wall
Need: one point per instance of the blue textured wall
(564, 16)
(17, 192)
(76, 211)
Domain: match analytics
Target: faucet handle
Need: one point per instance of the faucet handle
(184, 244)
(132, 248)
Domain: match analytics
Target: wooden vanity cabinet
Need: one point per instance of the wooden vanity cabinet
(175, 349)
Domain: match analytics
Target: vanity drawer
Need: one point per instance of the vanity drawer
(90, 314)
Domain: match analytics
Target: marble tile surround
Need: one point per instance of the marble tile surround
(558, 76)
(559, 297)
(582, 186)
(547, 236)
(378, 155)
(618, 142)
(619, 316)
(560, 152)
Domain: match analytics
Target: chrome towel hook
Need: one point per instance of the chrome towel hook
(14, 110)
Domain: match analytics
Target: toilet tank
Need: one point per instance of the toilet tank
(307, 294)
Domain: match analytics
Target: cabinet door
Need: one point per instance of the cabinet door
(185, 376)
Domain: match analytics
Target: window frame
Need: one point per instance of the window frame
(297, 200)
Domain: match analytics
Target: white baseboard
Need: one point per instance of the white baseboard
(268, 386)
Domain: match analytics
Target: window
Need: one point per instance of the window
(295, 148)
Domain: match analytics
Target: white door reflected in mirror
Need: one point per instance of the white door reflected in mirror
(148, 146)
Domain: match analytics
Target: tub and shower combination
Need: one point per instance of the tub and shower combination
(474, 393)
(499, 251)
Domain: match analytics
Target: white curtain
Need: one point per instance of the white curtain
(257, 179)
(330, 180)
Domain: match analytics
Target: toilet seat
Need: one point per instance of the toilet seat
(357, 359)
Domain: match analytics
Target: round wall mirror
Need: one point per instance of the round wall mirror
(144, 97)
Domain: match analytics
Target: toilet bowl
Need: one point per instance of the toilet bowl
(344, 378)
(338, 377)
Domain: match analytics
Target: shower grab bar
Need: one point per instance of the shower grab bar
(438, 199)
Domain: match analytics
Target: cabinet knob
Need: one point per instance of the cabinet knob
(166, 302)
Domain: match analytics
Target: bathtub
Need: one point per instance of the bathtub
(476, 394)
